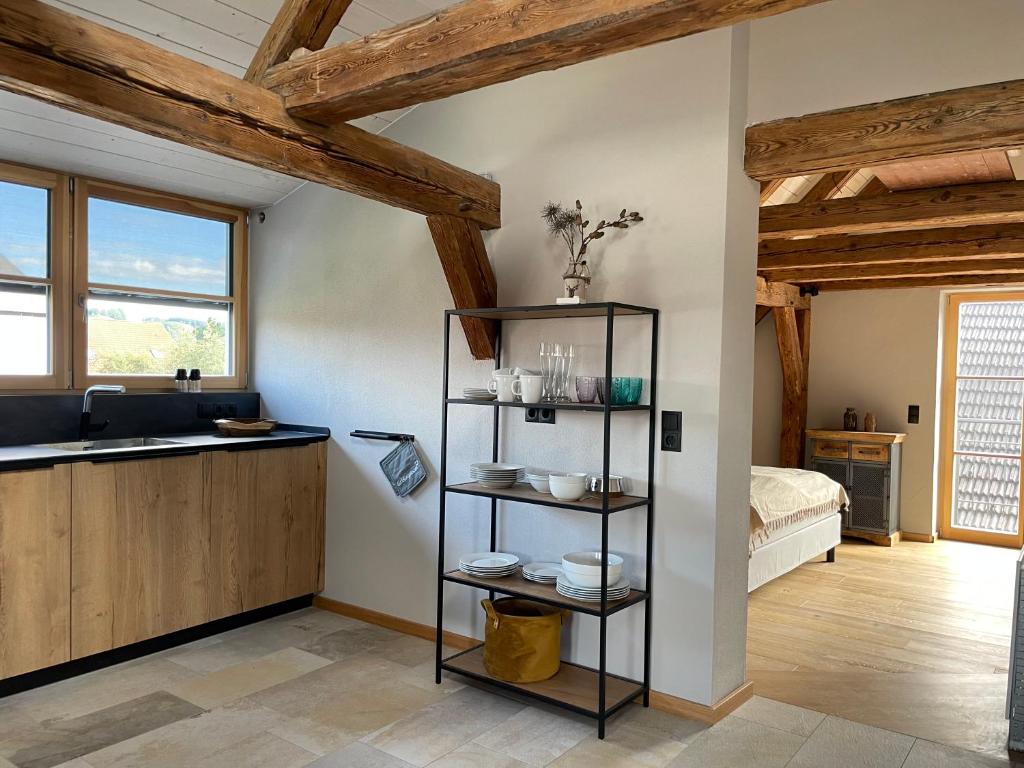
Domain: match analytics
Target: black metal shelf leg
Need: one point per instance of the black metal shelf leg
(440, 524)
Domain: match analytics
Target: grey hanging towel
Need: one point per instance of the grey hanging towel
(403, 468)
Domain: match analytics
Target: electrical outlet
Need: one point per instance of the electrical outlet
(672, 431)
(540, 415)
(216, 410)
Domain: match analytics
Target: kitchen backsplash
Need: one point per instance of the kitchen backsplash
(50, 418)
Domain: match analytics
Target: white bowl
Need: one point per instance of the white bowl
(540, 484)
(584, 568)
(570, 487)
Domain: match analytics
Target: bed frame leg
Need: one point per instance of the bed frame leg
(830, 556)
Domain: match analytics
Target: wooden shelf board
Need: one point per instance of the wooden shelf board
(856, 437)
(574, 687)
(596, 407)
(525, 493)
(517, 586)
(551, 311)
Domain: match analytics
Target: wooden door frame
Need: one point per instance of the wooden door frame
(947, 419)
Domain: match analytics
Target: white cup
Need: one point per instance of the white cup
(530, 389)
(502, 386)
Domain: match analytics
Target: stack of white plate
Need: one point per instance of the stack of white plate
(492, 475)
(478, 393)
(488, 565)
(591, 594)
(542, 573)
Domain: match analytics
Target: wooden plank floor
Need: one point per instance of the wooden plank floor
(914, 638)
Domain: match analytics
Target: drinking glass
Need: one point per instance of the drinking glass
(547, 368)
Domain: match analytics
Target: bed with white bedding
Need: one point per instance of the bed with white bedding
(794, 517)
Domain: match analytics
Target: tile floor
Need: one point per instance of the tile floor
(315, 689)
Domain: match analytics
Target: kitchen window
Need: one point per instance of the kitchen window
(34, 274)
(150, 283)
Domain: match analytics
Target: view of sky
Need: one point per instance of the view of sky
(147, 248)
(23, 236)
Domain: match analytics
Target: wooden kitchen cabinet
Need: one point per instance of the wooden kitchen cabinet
(267, 523)
(35, 569)
(140, 555)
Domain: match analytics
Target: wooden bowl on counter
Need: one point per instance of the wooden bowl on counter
(245, 427)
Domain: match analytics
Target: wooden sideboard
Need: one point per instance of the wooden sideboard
(869, 466)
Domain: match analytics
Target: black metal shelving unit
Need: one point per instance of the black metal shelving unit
(595, 693)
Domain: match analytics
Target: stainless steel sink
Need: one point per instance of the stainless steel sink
(110, 445)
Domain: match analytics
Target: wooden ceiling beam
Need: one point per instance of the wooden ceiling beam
(771, 294)
(482, 42)
(828, 186)
(460, 246)
(79, 65)
(960, 205)
(298, 24)
(769, 188)
(949, 281)
(819, 275)
(979, 117)
(921, 245)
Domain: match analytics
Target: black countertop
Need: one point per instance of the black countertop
(40, 456)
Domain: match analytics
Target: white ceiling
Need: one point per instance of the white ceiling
(221, 33)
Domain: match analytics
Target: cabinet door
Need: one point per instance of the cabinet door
(869, 493)
(267, 512)
(35, 569)
(140, 551)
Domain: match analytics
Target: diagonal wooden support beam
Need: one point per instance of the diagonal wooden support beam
(77, 64)
(979, 117)
(298, 24)
(992, 203)
(768, 294)
(828, 186)
(482, 42)
(460, 246)
(794, 384)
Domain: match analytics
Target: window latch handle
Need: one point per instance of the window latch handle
(82, 304)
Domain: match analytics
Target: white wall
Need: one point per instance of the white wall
(848, 52)
(875, 351)
(347, 313)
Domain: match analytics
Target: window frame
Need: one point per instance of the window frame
(86, 188)
(68, 280)
(58, 280)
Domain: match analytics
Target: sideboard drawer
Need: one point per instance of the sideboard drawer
(832, 449)
(867, 452)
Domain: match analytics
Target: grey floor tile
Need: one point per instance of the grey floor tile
(650, 719)
(536, 736)
(927, 754)
(852, 745)
(358, 755)
(476, 756)
(349, 642)
(776, 714)
(739, 743)
(424, 736)
(56, 742)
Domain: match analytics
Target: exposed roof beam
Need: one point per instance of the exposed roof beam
(73, 63)
(481, 42)
(769, 188)
(828, 186)
(819, 275)
(298, 24)
(779, 295)
(961, 205)
(950, 244)
(980, 117)
(874, 187)
(923, 282)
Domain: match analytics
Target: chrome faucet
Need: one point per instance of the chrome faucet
(85, 425)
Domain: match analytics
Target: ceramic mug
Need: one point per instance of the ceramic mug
(530, 388)
(502, 386)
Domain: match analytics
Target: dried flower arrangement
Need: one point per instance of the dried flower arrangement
(571, 226)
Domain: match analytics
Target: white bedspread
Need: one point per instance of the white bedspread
(780, 497)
